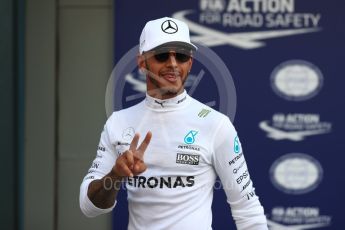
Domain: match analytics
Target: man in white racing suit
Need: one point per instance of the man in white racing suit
(184, 145)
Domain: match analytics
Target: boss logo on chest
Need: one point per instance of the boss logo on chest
(189, 159)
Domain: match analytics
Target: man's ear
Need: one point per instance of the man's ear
(190, 63)
(141, 62)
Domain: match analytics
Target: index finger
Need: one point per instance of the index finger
(143, 146)
(134, 142)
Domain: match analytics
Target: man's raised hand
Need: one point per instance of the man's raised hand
(131, 162)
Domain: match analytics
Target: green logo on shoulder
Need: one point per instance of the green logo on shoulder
(204, 112)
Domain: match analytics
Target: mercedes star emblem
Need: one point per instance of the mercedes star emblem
(169, 27)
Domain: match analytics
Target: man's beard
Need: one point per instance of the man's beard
(166, 91)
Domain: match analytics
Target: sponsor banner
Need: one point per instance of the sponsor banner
(296, 173)
(295, 218)
(295, 126)
(275, 67)
(296, 80)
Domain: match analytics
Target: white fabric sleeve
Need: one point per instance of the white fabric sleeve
(102, 165)
(232, 170)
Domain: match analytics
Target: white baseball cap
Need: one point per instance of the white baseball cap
(164, 31)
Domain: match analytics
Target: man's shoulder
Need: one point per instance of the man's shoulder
(125, 112)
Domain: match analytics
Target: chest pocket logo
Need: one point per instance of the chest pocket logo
(190, 137)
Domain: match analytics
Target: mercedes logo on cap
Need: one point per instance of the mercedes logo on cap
(169, 27)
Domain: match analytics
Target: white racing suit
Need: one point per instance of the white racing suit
(191, 144)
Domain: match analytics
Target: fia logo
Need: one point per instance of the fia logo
(190, 137)
(237, 147)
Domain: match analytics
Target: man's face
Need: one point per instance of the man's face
(166, 70)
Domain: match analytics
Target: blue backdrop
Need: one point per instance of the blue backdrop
(286, 59)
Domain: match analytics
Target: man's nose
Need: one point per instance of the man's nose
(172, 59)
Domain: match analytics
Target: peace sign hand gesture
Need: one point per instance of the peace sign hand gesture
(131, 162)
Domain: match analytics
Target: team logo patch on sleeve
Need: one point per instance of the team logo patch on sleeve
(101, 148)
(237, 146)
